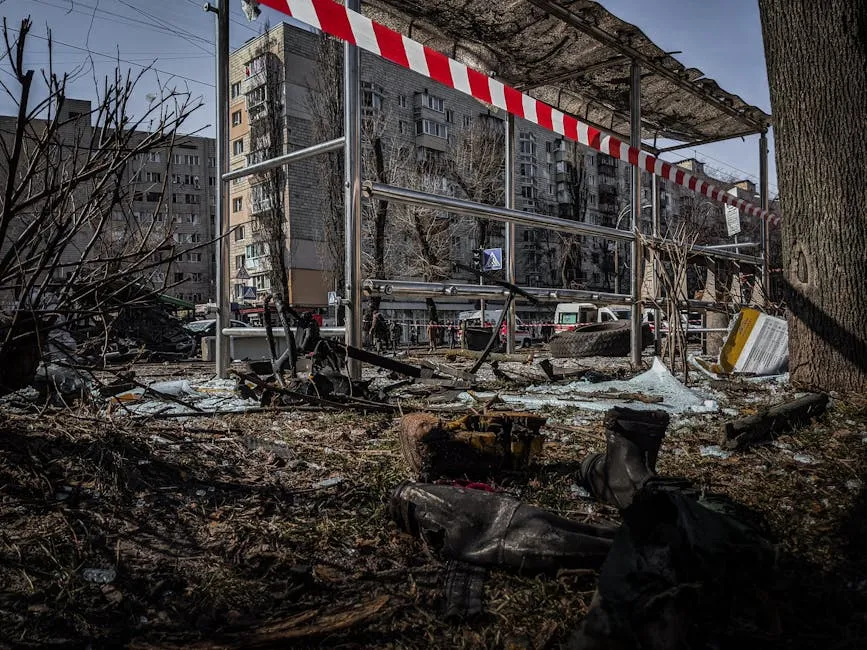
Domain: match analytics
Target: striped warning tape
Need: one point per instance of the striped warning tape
(356, 29)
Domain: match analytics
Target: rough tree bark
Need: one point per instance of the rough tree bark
(817, 71)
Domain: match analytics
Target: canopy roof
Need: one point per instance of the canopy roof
(575, 55)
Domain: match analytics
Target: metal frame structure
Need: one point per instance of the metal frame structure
(354, 188)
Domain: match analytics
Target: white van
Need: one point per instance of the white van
(568, 315)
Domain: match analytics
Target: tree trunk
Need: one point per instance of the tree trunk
(817, 71)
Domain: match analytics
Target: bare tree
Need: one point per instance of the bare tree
(575, 207)
(325, 102)
(476, 167)
(816, 55)
(268, 208)
(69, 242)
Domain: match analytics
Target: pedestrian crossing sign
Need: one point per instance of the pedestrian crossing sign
(493, 260)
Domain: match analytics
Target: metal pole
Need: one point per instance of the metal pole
(466, 208)
(616, 267)
(294, 156)
(763, 198)
(224, 306)
(635, 141)
(384, 287)
(352, 195)
(510, 227)
(655, 257)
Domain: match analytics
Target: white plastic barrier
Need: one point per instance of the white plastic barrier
(250, 343)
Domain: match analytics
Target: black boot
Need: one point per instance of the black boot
(496, 530)
(633, 439)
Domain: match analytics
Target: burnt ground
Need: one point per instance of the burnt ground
(227, 532)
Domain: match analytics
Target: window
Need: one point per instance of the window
(256, 96)
(191, 218)
(429, 127)
(236, 89)
(212, 181)
(236, 118)
(239, 261)
(548, 147)
(450, 116)
(239, 233)
(255, 66)
(238, 147)
(212, 162)
(261, 282)
(153, 197)
(401, 126)
(153, 177)
(433, 103)
(237, 204)
(401, 101)
(196, 277)
(468, 121)
(254, 251)
(527, 144)
(177, 158)
(154, 157)
(179, 277)
(194, 257)
(371, 95)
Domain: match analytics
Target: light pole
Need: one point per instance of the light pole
(622, 214)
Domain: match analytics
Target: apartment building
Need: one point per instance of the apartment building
(413, 114)
(167, 200)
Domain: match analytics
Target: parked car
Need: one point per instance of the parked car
(523, 332)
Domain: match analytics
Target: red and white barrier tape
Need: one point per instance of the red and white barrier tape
(356, 29)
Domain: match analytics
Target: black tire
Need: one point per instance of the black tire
(597, 340)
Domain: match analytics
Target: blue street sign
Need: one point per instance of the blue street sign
(249, 293)
(493, 260)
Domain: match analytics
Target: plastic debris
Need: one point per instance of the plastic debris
(578, 491)
(99, 576)
(658, 381)
(329, 482)
(805, 459)
(714, 451)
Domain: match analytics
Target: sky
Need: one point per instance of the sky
(722, 38)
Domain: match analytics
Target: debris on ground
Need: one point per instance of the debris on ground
(270, 525)
(476, 446)
(655, 383)
(769, 423)
(757, 344)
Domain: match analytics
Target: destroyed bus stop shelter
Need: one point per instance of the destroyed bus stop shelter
(567, 65)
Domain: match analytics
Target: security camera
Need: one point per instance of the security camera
(251, 9)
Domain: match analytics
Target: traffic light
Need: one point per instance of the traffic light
(477, 258)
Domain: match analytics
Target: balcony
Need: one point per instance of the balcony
(258, 111)
(255, 157)
(257, 264)
(257, 206)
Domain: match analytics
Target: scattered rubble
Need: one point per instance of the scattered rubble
(769, 423)
(280, 489)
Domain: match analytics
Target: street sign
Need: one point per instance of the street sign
(733, 216)
(242, 274)
(249, 293)
(493, 259)
(332, 298)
